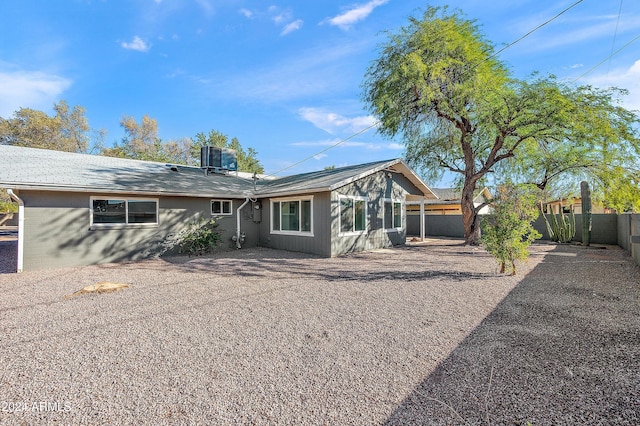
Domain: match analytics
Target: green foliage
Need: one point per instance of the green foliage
(622, 189)
(199, 237)
(68, 130)
(247, 160)
(561, 227)
(508, 232)
(437, 85)
(8, 207)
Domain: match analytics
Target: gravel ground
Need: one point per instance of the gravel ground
(425, 334)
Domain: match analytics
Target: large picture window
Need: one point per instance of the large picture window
(392, 214)
(292, 216)
(221, 207)
(353, 215)
(123, 211)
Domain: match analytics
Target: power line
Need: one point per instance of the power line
(325, 150)
(532, 31)
(615, 34)
(606, 59)
(486, 59)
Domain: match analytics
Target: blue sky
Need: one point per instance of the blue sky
(283, 76)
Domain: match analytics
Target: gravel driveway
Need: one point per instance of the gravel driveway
(425, 334)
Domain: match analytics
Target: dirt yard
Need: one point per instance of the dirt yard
(424, 334)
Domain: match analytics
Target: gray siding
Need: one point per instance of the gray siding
(58, 232)
(319, 243)
(376, 188)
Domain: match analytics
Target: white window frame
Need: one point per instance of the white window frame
(126, 223)
(354, 198)
(289, 199)
(393, 202)
(222, 202)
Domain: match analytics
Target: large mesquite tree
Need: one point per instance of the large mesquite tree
(438, 85)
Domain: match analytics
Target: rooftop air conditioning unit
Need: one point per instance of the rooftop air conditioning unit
(218, 159)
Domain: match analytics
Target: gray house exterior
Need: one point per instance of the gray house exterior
(80, 209)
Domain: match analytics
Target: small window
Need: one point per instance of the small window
(292, 216)
(392, 214)
(221, 207)
(353, 215)
(107, 211)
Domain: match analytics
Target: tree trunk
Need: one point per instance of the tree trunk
(470, 218)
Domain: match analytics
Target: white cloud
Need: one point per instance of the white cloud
(206, 7)
(137, 44)
(358, 13)
(319, 156)
(333, 123)
(293, 26)
(29, 89)
(246, 13)
(624, 78)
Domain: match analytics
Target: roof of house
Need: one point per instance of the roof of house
(31, 168)
(331, 179)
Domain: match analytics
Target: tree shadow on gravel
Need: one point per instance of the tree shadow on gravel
(562, 348)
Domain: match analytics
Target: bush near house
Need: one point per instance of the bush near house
(200, 237)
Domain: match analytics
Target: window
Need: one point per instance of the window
(292, 216)
(221, 207)
(392, 214)
(353, 215)
(115, 211)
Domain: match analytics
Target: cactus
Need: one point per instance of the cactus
(585, 193)
(561, 228)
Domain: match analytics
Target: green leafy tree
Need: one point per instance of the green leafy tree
(140, 142)
(508, 232)
(68, 130)
(247, 160)
(438, 84)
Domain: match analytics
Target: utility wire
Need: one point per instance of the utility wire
(486, 59)
(325, 150)
(606, 59)
(615, 34)
(531, 32)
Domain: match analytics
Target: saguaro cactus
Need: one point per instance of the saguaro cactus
(585, 193)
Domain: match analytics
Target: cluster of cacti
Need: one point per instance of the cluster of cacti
(561, 227)
(585, 193)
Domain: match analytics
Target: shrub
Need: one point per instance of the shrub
(8, 207)
(509, 231)
(200, 237)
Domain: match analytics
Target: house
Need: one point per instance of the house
(448, 202)
(574, 204)
(78, 209)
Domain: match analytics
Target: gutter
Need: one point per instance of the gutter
(18, 200)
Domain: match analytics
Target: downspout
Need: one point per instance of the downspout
(17, 199)
(238, 233)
